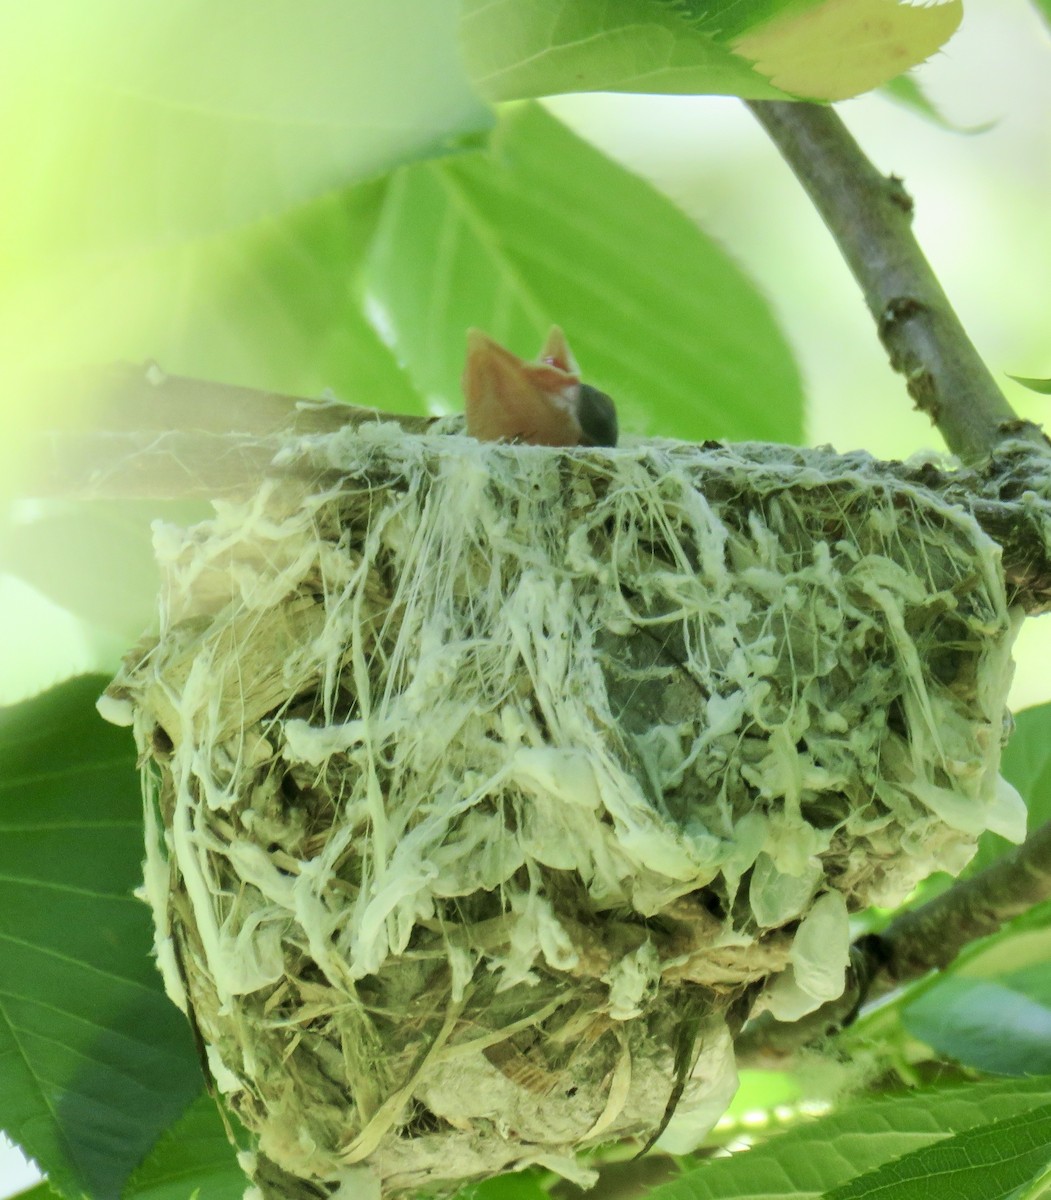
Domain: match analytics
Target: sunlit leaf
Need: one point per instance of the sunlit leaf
(763, 1091)
(544, 228)
(176, 180)
(840, 48)
(188, 119)
(276, 306)
(814, 49)
(95, 1062)
(1027, 760)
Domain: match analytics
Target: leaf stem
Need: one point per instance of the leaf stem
(870, 216)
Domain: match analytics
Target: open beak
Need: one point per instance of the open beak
(541, 403)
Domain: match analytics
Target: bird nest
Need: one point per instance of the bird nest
(488, 785)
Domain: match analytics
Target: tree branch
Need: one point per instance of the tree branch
(919, 940)
(130, 431)
(160, 436)
(869, 215)
(930, 937)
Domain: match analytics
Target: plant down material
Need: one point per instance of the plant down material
(488, 785)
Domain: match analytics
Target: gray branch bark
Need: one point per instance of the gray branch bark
(869, 215)
(916, 942)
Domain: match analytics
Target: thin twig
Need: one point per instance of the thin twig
(928, 938)
(159, 436)
(917, 941)
(870, 215)
(133, 431)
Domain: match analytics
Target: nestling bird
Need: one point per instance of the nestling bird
(542, 403)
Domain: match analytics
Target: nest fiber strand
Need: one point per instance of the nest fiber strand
(486, 781)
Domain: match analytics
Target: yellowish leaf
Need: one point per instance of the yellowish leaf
(843, 47)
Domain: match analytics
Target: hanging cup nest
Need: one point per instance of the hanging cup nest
(487, 785)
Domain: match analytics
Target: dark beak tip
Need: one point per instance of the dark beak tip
(597, 416)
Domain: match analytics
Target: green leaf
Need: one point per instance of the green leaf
(150, 131)
(1043, 7)
(519, 1185)
(1043, 386)
(730, 18)
(544, 228)
(193, 1155)
(188, 198)
(1007, 1015)
(985, 1163)
(517, 49)
(999, 1026)
(95, 559)
(809, 1161)
(813, 49)
(94, 1060)
(1026, 764)
(906, 90)
(277, 306)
